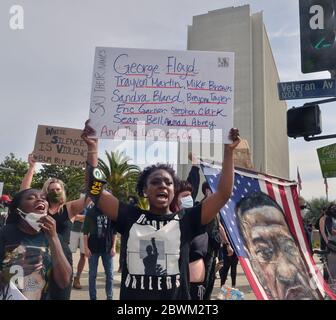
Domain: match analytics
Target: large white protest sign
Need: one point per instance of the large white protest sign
(162, 94)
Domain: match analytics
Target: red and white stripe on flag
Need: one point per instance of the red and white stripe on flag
(286, 196)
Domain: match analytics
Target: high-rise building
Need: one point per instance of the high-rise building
(258, 112)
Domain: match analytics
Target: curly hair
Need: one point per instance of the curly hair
(142, 181)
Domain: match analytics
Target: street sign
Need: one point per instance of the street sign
(307, 89)
(327, 158)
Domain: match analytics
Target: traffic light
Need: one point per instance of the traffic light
(318, 35)
(304, 121)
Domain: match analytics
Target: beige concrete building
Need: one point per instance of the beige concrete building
(258, 112)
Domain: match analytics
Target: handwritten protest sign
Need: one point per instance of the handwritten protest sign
(62, 146)
(162, 94)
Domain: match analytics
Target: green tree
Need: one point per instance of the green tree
(143, 204)
(12, 171)
(314, 209)
(121, 176)
(73, 178)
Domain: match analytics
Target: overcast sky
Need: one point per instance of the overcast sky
(46, 68)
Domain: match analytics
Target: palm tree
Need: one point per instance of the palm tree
(121, 177)
(143, 203)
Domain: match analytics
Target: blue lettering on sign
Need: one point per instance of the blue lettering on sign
(122, 66)
(179, 68)
(135, 97)
(118, 118)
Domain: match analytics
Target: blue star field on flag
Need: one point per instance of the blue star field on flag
(243, 186)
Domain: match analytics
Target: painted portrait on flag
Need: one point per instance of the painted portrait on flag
(274, 254)
(264, 223)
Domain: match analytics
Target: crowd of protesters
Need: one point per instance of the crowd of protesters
(173, 250)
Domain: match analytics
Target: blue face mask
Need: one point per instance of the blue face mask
(187, 202)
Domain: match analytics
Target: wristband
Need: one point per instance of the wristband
(96, 182)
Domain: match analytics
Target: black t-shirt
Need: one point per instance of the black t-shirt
(199, 247)
(100, 230)
(212, 229)
(157, 252)
(15, 244)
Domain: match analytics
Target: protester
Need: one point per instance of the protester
(171, 232)
(322, 242)
(198, 246)
(317, 226)
(99, 241)
(214, 245)
(205, 247)
(5, 201)
(306, 225)
(327, 222)
(77, 241)
(327, 229)
(60, 210)
(229, 259)
(30, 246)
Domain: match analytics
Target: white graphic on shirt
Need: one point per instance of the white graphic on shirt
(153, 247)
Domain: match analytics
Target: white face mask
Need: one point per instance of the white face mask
(32, 219)
(187, 202)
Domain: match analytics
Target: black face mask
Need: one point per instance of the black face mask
(54, 197)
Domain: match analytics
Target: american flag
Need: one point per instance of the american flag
(285, 194)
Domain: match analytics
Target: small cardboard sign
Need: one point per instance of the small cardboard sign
(61, 146)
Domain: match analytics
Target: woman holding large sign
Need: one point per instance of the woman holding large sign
(158, 241)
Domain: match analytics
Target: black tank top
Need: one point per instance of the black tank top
(63, 223)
